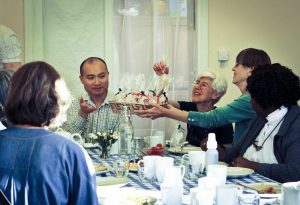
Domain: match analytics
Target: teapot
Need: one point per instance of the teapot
(76, 136)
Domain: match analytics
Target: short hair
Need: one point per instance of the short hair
(219, 83)
(273, 86)
(252, 57)
(4, 84)
(91, 60)
(32, 97)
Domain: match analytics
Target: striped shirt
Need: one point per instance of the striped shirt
(102, 119)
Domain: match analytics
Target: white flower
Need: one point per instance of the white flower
(92, 136)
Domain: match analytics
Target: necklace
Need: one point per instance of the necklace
(257, 147)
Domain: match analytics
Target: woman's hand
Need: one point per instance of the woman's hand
(155, 112)
(160, 68)
(242, 162)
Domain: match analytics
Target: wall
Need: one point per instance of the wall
(12, 15)
(271, 25)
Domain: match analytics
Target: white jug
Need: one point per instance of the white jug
(172, 187)
(76, 136)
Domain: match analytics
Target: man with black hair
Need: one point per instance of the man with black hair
(92, 112)
(270, 145)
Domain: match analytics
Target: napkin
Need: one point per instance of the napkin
(104, 181)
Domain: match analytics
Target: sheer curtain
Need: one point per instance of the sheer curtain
(130, 35)
(148, 31)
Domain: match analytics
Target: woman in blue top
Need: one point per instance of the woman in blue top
(238, 111)
(37, 165)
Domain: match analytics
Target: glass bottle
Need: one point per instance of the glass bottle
(125, 133)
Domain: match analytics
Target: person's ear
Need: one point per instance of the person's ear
(216, 96)
(250, 69)
(81, 78)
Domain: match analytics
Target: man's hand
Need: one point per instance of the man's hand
(85, 108)
(242, 162)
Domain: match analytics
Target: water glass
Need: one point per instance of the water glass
(121, 166)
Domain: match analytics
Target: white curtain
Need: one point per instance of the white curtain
(130, 35)
(148, 31)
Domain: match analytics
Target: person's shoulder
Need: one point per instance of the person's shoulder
(187, 106)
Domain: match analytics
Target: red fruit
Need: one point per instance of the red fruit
(159, 146)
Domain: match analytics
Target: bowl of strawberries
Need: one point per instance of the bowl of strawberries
(156, 150)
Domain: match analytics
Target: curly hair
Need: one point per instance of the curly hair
(273, 86)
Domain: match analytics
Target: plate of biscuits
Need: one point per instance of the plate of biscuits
(101, 168)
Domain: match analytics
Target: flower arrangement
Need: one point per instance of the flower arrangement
(105, 140)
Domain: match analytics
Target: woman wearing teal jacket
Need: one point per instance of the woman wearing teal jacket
(238, 111)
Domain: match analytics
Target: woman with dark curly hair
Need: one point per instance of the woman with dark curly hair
(270, 146)
(37, 165)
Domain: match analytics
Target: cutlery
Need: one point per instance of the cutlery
(248, 187)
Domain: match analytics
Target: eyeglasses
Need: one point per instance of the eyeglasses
(202, 85)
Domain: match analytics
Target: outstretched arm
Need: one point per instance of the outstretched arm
(158, 111)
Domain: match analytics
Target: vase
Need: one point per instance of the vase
(104, 152)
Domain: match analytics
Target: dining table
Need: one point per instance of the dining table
(134, 183)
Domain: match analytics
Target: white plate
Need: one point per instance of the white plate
(101, 168)
(111, 181)
(185, 150)
(235, 172)
(90, 145)
(264, 186)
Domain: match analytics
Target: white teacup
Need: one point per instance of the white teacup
(194, 162)
(162, 164)
(147, 172)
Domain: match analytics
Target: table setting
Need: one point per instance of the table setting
(136, 183)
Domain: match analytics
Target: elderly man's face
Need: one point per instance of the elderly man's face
(95, 78)
(202, 90)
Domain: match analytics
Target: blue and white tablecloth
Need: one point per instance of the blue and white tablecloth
(135, 182)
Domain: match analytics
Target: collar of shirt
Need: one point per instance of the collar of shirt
(276, 115)
(110, 97)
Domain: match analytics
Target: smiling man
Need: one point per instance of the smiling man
(92, 113)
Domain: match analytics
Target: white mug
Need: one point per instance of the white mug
(162, 164)
(290, 193)
(147, 172)
(194, 162)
